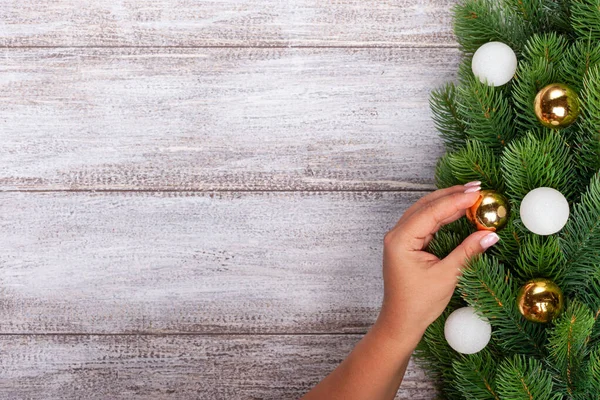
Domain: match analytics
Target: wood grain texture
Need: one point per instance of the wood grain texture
(177, 367)
(204, 270)
(220, 119)
(225, 23)
(137, 262)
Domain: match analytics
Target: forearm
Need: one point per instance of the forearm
(417, 289)
(374, 369)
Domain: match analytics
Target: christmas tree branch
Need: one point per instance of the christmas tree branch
(489, 289)
(529, 79)
(443, 243)
(446, 117)
(585, 18)
(475, 376)
(541, 257)
(524, 378)
(476, 162)
(480, 21)
(577, 61)
(594, 370)
(550, 47)
(567, 342)
(542, 15)
(488, 115)
(587, 146)
(538, 160)
(443, 173)
(580, 242)
(511, 239)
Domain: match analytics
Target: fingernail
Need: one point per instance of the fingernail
(473, 189)
(474, 183)
(489, 240)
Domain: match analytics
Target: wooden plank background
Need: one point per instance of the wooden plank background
(231, 23)
(194, 193)
(220, 119)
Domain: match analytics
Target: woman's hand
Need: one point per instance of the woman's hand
(417, 289)
(417, 284)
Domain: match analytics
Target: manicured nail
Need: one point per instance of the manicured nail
(489, 240)
(474, 183)
(473, 189)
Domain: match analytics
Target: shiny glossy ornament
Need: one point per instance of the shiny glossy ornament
(490, 211)
(540, 300)
(556, 105)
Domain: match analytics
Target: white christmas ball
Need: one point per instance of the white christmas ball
(494, 63)
(544, 211)
(467, 332)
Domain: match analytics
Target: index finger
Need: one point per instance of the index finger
(427, 220)
(434, 196)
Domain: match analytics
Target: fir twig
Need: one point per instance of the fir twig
(487, 287)
(587, 145)
(476, 161)
(480, 21)
(594, 371)
(568, 347)
(444, 177)
(577, 61)
(446, 117)
(488, 115)
(535, 161)
(580, 241)
(585, 18)
(511, 240)
(475, 376)
(524, 378)
(541, 257)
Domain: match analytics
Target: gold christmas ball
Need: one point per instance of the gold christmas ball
(490, 211)
(556, 105)
(540, 300)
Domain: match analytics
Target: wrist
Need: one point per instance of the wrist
(398, 331)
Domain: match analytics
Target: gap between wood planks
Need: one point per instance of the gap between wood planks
(404, 190)
(198, 334)
(375, 46)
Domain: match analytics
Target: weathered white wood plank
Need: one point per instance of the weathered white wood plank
(219, 119)
(225, 23)
(177, 367)
(131, 262)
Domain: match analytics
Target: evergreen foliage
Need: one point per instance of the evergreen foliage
(511, 239)
(580, 242)
(476, 162)
(524, 378)
(479, 22)
(491, 134)
(538, 159)
(593, 371)
(568, 349)
(541, 257)
(446, 117)
(585, 18)
(488, 116)
(475, 375)
(491, 290)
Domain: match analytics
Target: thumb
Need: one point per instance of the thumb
(474, 244)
